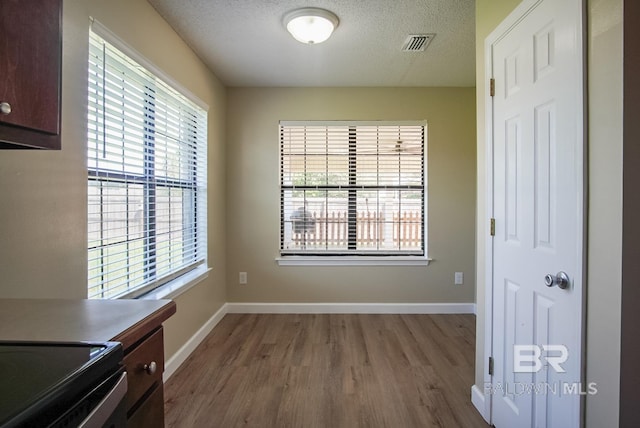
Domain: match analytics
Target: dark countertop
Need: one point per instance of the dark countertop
(71, 320)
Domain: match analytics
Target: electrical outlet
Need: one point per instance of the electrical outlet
(458, 278)
(242, 278)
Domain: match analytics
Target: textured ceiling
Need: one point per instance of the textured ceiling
(245, 44)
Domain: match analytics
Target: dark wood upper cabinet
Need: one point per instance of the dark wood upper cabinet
(30, 73)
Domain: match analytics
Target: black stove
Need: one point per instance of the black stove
(46, 384)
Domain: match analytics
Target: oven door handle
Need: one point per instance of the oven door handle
(107, 405)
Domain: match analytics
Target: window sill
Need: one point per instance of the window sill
(176, 287)
(353, 261)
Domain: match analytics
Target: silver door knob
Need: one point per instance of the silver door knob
(150, 368)
(5, 108)
(561, 280)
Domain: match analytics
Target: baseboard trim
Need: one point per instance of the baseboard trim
(351, 308)
(183, 353)
(479, 402)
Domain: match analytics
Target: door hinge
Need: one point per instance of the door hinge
(491, 366)
(492, 227)
(492, 87)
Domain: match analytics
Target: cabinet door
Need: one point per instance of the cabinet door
(30, 66)
(150, 413)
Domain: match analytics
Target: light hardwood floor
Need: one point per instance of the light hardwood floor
(328, 371)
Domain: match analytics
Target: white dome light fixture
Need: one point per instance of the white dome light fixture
(310, 25)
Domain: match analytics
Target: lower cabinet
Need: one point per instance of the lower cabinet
(144, 363)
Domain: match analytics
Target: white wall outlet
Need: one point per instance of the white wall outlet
(242, 278)
(458, 278)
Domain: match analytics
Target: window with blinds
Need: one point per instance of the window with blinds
(147, 158)
(352, 188)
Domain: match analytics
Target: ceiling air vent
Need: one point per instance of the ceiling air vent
(417, 42)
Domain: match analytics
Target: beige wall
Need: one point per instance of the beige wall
(253, 195)
(43, 193)
(604, 271)
(604, 43)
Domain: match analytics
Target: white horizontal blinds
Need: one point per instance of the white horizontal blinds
(352, 189)
(147, 177)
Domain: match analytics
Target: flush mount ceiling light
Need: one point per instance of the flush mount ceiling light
(310, 25)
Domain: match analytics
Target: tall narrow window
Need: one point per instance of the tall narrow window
(352, 188)
(147, 157)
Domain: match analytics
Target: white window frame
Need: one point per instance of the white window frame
(181, 279)
(359, 259)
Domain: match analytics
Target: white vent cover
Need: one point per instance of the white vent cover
(417, 42)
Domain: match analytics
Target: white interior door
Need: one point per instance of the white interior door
(537, 127)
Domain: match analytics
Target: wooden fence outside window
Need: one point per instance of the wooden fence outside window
(373, 230)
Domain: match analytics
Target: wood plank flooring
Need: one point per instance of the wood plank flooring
(328, 371)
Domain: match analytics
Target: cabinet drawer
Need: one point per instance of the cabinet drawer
(141, 380)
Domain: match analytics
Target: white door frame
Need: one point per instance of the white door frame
(481, 397)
